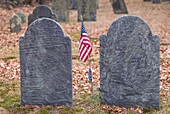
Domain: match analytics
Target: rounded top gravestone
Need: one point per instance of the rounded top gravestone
(46, 64)
(129, 64)
(130, 24)
(40, 12)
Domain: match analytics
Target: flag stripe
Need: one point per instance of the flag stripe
(87, 43)
(83, 57)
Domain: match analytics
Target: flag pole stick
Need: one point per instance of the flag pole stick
(91, 82)
(81, 16)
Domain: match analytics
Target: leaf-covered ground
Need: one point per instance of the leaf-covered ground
(156, 15)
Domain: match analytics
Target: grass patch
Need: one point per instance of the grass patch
(10, 95)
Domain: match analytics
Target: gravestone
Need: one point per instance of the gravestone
(22, 16)
(40, 12)
(46, 65)
(61, 9)
(129, 64)
(97, 3)
(146, 0)
(88, 9)
(15, 23)
(156, 1)
(119, 6)
(73, 4)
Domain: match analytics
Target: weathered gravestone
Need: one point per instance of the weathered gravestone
(88, 9)
(61, 9)
(15, 23)
(156, 1)
(119, 6)
(73, 4)
(129, 64)
(40, 12)
(22, 16)
(46, 65)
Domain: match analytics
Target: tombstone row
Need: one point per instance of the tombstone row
(59, 12)
(87, 8)
(129, 64)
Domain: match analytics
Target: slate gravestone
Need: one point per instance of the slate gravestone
(46, 65)
(156, 1)
(119, 6)
(40, 12)
(22, 16)
(73, 4)
(146, 0)
(88, 9)
(61, 9)
(15, 23)
(129, 64)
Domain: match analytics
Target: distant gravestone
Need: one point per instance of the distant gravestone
(46, 65)
(73, 4)
(97, 3)
(40, 12)
(61, 9)
(88, 9)
(129, 64)
(15, 23)
(22, 16)
(146, 0)
(156, 1)
(119, 6)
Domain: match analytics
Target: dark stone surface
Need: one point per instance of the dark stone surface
(40, 12)
(129, 64)
(156, 1)
(61, 9)
(88, 9)
(22, 16)
(73, 4)
(119, 6)
(147, 0)
(15, 23)
(46, 65)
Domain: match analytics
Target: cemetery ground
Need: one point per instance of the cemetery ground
(156, 15)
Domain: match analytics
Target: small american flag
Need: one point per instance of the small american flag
(85, 47)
